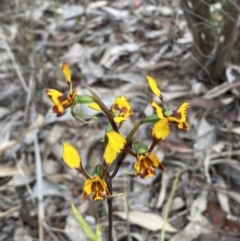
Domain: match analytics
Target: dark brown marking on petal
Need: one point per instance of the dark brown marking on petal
(176, 114)
(152, 171)
(123, 110)
(56, 111)
(114, 106)
(143, 173)
(63, 97)
(94, 196)
(161, 98)
(84, 195)
(66, 105)
(155, 109)
(185, 126)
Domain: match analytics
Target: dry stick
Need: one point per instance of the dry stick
(15, 65)
(169, 203)
(39, 181)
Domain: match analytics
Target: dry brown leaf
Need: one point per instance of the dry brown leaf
(197, 223)
(206, 136)
(149, 221)
(55, 134)
(9, 212)
(220, 89)
(7, 145)
(235, 130)
(14, 171)
(174, 95)
(206, 104)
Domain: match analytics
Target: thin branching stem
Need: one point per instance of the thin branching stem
(103, 107)
(119, 163)
(134, 129)
(169, 203)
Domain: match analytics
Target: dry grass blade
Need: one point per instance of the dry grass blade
(38, 179)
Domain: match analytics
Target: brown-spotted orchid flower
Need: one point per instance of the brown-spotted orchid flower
(161, 128)
(62, 101)
(120, 109)
(93, 185)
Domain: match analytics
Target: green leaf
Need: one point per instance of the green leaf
(85, 227)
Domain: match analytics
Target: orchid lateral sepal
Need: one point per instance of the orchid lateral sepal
(103, 107)
(79, 116)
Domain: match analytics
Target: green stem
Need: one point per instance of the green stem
(153, 144)
(169, 203)
(83, 171)
(134, 129)
(130, 151)
(70, 88)
(103, 107)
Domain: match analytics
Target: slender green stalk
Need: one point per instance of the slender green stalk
(134, 129)
(103, 107)
(169, 203)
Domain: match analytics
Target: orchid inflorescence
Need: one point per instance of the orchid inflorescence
(117, 146)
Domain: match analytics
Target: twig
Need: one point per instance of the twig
(15, 65)
(39, 180)
(169, 203)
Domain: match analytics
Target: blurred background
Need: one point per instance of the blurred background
(190, 47)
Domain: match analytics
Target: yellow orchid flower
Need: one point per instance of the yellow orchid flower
(61, 101)
(96, 187)
(93, 185)
(145, 163)
(115, 145)
(161, 128)
(120, 108)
